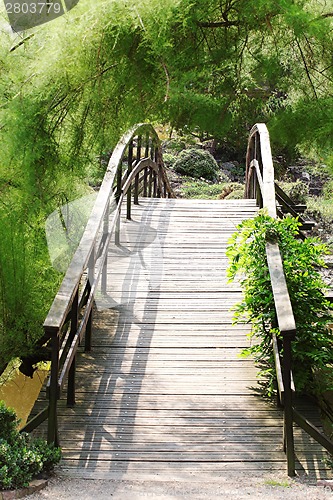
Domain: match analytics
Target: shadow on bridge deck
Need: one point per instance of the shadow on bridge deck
(163, 391)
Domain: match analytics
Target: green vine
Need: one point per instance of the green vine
(313, 346)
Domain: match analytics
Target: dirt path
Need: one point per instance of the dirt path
(237, 487)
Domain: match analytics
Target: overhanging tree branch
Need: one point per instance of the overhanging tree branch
(219, 24)
(307, 69)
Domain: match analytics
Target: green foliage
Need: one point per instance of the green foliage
(169, 160)
(328, 191)
(298, 191)
(211, 68)
(200, 189)
(8, 423)
(196, 163)
(27, 282)
(313, 346)
(48, 454)
(21, 458)
(236, 194)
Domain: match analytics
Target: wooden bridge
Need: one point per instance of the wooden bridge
(143, 338)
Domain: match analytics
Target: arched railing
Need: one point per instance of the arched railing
(135, 167)
(260, 185)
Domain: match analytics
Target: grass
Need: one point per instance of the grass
(199, 189)
(324, 206)
(273, 482)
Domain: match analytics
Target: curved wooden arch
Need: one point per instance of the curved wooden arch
(260, 169)
(70, 315)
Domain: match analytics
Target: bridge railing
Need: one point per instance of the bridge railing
(135, 167)
(260, 185)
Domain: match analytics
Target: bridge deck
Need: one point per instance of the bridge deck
(164, 390)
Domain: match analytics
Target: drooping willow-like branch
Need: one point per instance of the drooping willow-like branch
(218, 24)
(306, 69)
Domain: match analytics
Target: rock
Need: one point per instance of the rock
(305, 177)
(35, 486)
(228, 165)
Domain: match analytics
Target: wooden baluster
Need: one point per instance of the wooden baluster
(150, 182)
(259, 194)
(145, 182)
(130, 166)
(105, 236)
(145, 173)
(118, 194)
(136, 182)
(159, 175)
(288, 405)
(72, 370)
(91, 279)
(52, 431)
(147, 145)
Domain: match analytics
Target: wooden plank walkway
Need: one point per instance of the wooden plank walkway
(164, 390)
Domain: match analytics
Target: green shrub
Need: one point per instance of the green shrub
(21, 458)
(8, 423)
(169, 160)
(298, 191)
(328, 191)
(199, 189)
(174, 145)
(236, 194)
(313, 345)
(197, 163)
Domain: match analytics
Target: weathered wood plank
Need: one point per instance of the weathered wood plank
(164, 388)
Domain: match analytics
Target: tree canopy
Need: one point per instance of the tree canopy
(70, 87)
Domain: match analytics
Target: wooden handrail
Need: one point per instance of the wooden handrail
(260, 184)
(70, 316)
(259, 149)
(260, 176)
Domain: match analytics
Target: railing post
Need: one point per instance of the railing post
(147, 146)
(154, 184)
(52, 430)
(105, 237)
(118, 195)
(72, 370)
(288, 408)
(145, 182)
(129, 169)
(150, 182)
(259, 198)
(136, 182)
(145, 173)
(91, 279)
(159, 174)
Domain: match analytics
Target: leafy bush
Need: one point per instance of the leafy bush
(169, 159)
(197, 163)
(28, 283)
(199, 189)
(298, 191)
(313, 345)
(232, 191)
(174, 145)
(328, 191)
(236, 194)
(21, 458)
(8, 423)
